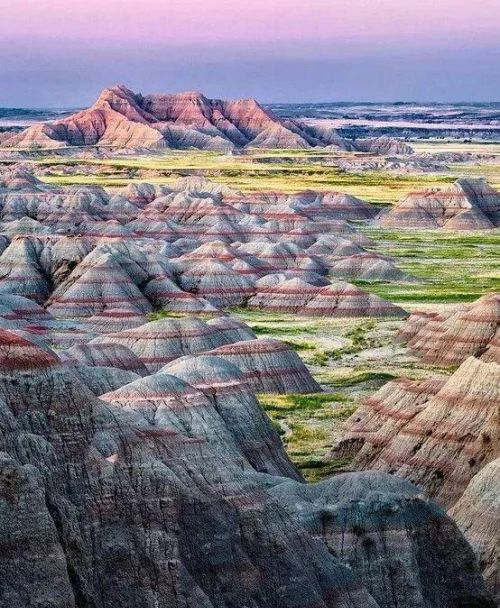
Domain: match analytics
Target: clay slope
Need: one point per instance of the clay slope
(443, 434)
(436, 433)
(154, 497)
(122, 119)
(468, 204)
(192, 247)
(449, 338)
(477, 513)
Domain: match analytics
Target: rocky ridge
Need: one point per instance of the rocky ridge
(442, 433)
(468, 204)
(122, 119)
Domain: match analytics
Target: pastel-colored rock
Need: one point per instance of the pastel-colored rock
(477, 514)
(104, 355)
(153, 492)
(159, 342)
(438, 435)
(449, 338)
(18, 353)
(123, 119)
(269, 366)
(468, 204)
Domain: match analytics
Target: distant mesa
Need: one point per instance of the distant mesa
(122, 119)
(468, 204)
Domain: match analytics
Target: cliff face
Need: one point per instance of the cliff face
(153, 496)
(443, 434)
(477, 513)
(438, 434)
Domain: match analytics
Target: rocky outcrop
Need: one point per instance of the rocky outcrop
(345, 511)
(368, 267)
(122, 119)
(477, 514)
(105, 355)
(269, 366)
(442, 434)
(468, 204)
(436, 434)
(448, 338)
(150, 497)
(383, 145)
(229, 390)
(193, 247)
(278, 293)
(159, 342)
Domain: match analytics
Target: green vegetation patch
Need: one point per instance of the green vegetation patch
(453, 267)
(281, 170)
(307, 424)
(316, 469)
(334, 379)
(281, 405)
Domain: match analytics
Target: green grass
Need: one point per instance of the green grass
(305, 424)
(453, 267)
(282, 170)
(316, 469)
(157, 315)
(285, 404)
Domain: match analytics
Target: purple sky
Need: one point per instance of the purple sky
(62, 52)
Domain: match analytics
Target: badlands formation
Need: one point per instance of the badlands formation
(138, 468)
(122, 119)
(172, 488)
(191, 247)
(443, 433)
(468, 204)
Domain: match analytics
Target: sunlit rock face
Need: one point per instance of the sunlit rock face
(448, 338)
(443, 434)
(122, 119)
(437, 433)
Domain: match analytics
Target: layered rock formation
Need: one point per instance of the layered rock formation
(269, 366)
(477, 513)
(193, 247)
(468, 204)
(436, 433)
(441, 434)
(448, 338)
(122, 119)
(281, 294)
(105, 355)
(160, 342)
(156, 496)
(344, 511)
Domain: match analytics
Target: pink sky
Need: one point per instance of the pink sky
(62, 52)
(201, 21)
